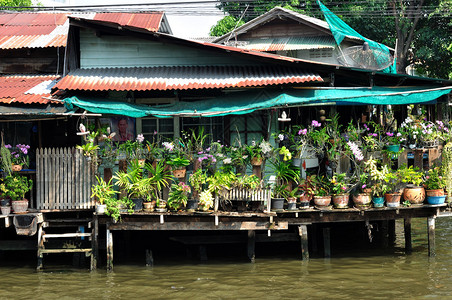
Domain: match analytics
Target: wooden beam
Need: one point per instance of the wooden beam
(431, 236)
(251, 245)
(244, 225)
(149, 258)
(407, 230)
(75, 250)
(95, 243)
(303, 232)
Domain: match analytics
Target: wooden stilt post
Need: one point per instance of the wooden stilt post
(251, 245)
(303, 232)
(314, 242)
(431, 236)
(391, 232)
(202, 252)
(149, 258)
(385, 233)
(407, 230)
(95, 243)
(109, 249)
(40, 246)
(327, 242)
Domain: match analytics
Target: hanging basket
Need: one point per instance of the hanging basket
(256, 161)
(16, 168)
(179, 173)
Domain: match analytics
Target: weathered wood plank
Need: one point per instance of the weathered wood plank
(431, 236)
(303, 232)
(407, 231)
(245, 225)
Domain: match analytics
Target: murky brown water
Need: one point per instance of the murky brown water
(371, 274)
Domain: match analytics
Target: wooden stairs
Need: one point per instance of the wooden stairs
(73, 235)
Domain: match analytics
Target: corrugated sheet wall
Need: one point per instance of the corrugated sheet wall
(114, 51)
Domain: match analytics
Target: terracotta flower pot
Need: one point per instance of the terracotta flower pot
(435, 193)
(322, 201)
(362, 200)
(149, 206)
(304, 201)
(179, 173)
(415, 194)
(341, 201)
(16, 168)
(393, 199)
(256, 161)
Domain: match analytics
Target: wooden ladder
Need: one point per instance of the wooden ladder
(75, 228)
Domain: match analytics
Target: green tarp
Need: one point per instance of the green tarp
(249, 101)
(340, 29)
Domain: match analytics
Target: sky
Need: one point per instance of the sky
(190, 20)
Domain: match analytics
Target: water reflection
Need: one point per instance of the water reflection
(370, 274)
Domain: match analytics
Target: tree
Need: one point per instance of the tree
(421, 27)
(225, 25)
(15, 3)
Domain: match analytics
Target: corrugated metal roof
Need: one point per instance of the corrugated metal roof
(26, 89)
(149, 21)
(42, 30)
(289, 43)
(182, 78)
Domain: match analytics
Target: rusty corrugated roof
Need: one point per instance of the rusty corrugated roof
(26, 89)
(149, 21)
(182, 78)
(42, 30)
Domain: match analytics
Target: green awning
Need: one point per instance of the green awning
(249, 101)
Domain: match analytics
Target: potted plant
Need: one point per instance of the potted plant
(322, 188)
(104, 193)
(362, 197)
(17, 186)
(5, 204)
(138, 187)
(339, 191)
(258, 152)
(205, 200)
(179, 164)
(159, 178)
(197, 180)
(413, 192)
(178, 196)
(306, 188)
(377, 178)
(434, 184)
(394, 188)
(19, 156)
(279, 194)
(291, 198)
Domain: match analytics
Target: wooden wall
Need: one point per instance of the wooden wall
(32, 61)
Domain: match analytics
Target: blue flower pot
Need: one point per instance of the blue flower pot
(435, 200)
(393, 148)
(378, 202)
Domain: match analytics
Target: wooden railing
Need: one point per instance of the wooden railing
(63, 179)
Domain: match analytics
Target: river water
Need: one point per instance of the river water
(364, 274)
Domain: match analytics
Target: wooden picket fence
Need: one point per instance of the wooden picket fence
(64, 178)
(238, 194)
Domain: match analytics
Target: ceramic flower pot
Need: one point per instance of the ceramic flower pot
(6, 210)
(436, 200)
(393, 199)
(138, 204)
(322, 201)
(192, 205)
(16, 168)
(149, 206)
(414, 194)
(292, 204)
(378, 202)
(341, 201)
(304, 201)
(19, 206)
(362, 200)
(277, 204)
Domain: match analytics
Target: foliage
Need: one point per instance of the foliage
(410, 175)
(19, 154)
(377, 177)
(115, 207)
(206, 199)
(178, 162)
(307, 187)
(197, 180)
(259, 150)
(339, 184)
(434, 179)
(134, 183)
(16, 3)
(447, 167)
(280, 191)
(225, 25)
(103, 191)
(7, 163)
(89, 149)
(284, 171)
(178, 195)
(159, 177)
(246, 182)
(17, 186)
(134, 150)
(321, 184)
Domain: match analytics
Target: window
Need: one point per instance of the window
(214, 126)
